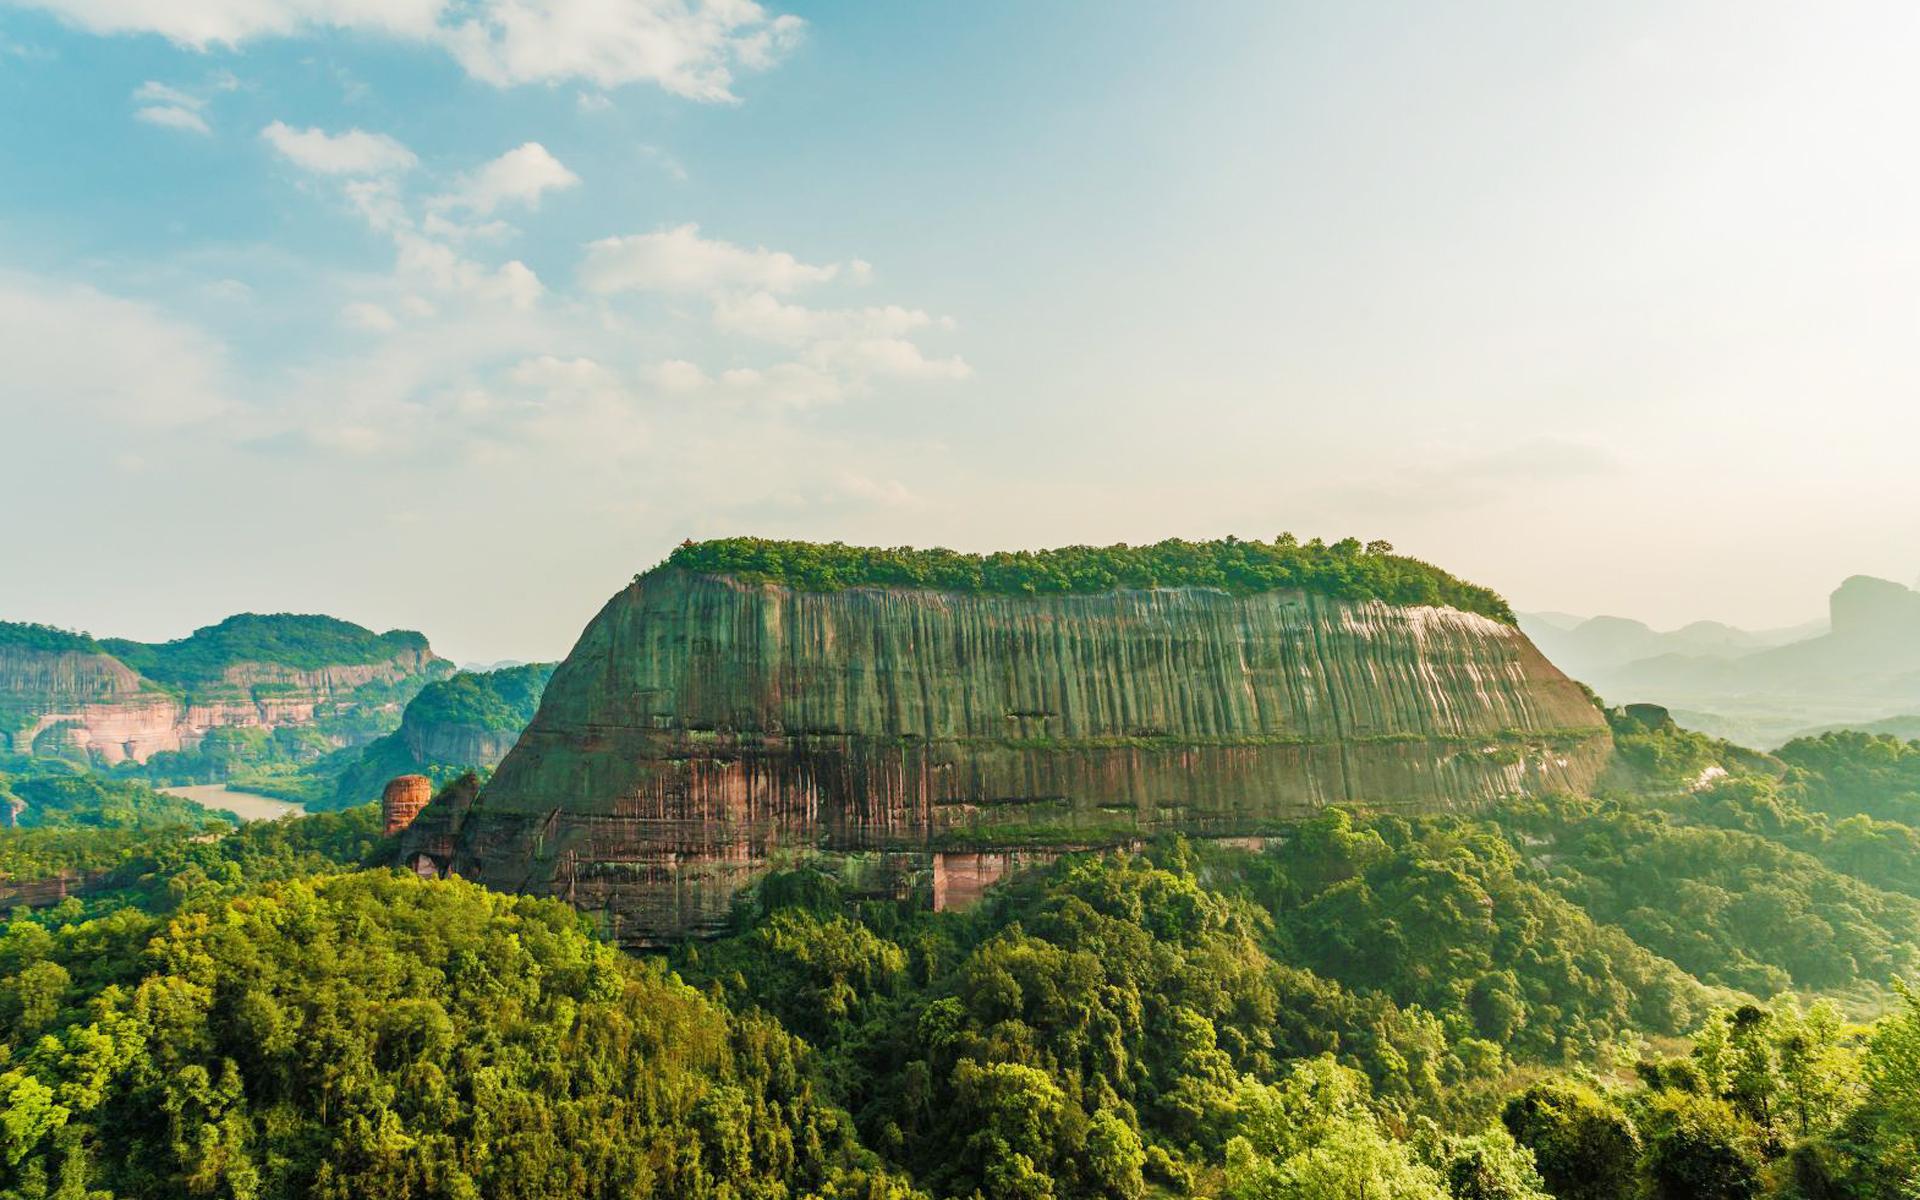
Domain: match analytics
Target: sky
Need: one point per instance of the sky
(455, 314)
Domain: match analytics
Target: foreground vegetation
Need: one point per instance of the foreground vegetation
(1346, 568)
(1685, 987)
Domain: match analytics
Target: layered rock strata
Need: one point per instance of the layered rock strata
(704, 728)
(97, 704)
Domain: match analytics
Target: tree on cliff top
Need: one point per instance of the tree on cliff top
(1346, 569)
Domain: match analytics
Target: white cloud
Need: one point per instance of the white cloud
(355, 152)
(690, 48)
(200, 24)
(438, 267)
(863, 358)
(679, 375)
(172, 116)
(761, 315)
(170, 108)
(520, 176)
(787, 385)
(561, 374)
(154, 92)
(370, 317)
(74, 352)
(837, 352)
(680, 260)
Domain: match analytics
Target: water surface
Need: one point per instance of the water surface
(248, 806)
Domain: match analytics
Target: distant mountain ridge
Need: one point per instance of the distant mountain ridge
(115, 699)
(1860, 667)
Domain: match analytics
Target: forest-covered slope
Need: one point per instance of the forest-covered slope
(1425, 1007)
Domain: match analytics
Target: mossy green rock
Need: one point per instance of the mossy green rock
(704, 726)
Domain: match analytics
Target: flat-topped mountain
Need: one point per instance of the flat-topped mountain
(113, 699)
(751, 699)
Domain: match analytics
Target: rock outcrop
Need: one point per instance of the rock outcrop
(64, 692)
(402, 800)
(704, 727)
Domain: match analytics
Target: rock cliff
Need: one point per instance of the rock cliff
(705, 726)
(120, 700)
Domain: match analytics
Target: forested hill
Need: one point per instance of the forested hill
(1347, 568)
(27, 637)
(1675, 991)
(250, 691)
(301, 642)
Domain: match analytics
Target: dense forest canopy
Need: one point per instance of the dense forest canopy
(1688, 986)
(503, 700)
(284, 639)
(1348, 569)
(45, 639)
(53, 795)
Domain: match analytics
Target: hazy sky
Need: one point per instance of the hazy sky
(454, 314)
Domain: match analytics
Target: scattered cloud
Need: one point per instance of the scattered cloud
(680, 260)
(170, 108)
(172, 116)
(521, 177)
(836, 351)
(690, 48)
(355, 152)
(672, 166)
(761, 315)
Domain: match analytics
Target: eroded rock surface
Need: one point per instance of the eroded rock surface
(704, 728)
(97, 704)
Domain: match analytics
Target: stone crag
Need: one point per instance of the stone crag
(704, 728)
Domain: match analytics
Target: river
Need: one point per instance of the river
(248, 806)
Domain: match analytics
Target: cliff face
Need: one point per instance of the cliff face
(98, 704)
(703, 726)
(434, 741)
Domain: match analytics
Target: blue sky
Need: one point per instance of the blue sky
(454, 315)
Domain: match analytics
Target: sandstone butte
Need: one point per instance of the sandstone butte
(706, 728)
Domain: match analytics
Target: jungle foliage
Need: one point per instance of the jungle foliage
(298, 641)
(1685, 991)
(1347, 569)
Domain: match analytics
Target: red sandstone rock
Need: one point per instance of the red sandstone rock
(704, 728)
(401, 802)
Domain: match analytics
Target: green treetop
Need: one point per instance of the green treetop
(1347, 569)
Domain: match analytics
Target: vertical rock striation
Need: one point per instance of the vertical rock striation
(703, 727)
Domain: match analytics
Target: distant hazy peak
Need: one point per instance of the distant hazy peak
(1864, 606)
